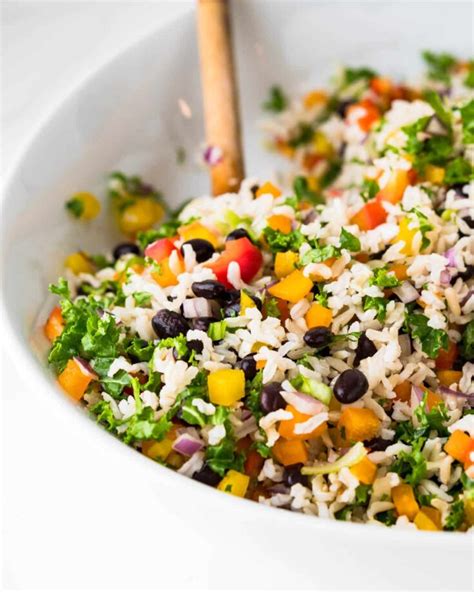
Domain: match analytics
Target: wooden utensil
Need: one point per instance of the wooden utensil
(219, 91)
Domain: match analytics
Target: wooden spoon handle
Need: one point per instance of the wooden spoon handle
(219, 90)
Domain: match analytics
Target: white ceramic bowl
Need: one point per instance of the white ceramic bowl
(126, 117)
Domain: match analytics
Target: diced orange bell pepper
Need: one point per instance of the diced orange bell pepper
(253, 463)
(395, 187)
(424, 522)
(286, 429)
(285, 149)
(405, 501)
(268, 188)
(318, 316)
(285, 263)
(280, 222)
(164, 276)
(400, 271)
(381, 86)
(433, 514)
(293, 287)
(365, 471)
(446, 358)
(310, 160)
(448, 377)
(359, 424)
(432, 399)
(371, 215)
(369, 114)
(315, 97)
(460, 446)
(75, 379)
(197, 230)
(403, 391)
(290, 452)
(406, 235)
(55, 324)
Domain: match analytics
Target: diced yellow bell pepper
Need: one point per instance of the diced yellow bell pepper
(159, 450)
(84, 206)
(140, 215)
(268, 188)
(359, 424)
(321, 145)
(406, 235)
(313, 183)
(234, 483)
(285, 263)
(226, 386)
(293, 287)
(315, 97)
(280, 222)
(434, 174)
(405, 501)
(365, 471)
(245, 302)
(175, 460)
(197, 230)
(469, 511)
(433, 514)
(79, 263)
(423, 522)
(318, 316)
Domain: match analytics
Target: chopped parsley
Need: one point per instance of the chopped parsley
(75, 206)
(383, 278)
(279, 242)
(378, 303)
(456, 516)
(467, 118)
(424, 227)
(439, 65)
(467, 342)
(303, 135)
(276, 101)
(431, 340)
(319, 254)
(411, 466)
(349, 241)
(304, 193)
(142, 298)
(369, 189)
(434, 99)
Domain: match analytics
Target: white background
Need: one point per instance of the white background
(66, 522)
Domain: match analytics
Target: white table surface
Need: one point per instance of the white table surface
(67, 524)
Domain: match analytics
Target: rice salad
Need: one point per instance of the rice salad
(307, 342)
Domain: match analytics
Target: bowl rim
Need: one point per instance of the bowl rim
(37, 376)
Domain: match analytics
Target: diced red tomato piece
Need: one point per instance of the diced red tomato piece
(370, 216)
(446, 358)
(395, 188)
(243, 252)
(160, 249)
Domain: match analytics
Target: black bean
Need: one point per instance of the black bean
(202, 324)
(467, 274)
(231, 310)
(350, 386)
(377, 444)
(202, 248)
(207, 476)
(458, 188)
(210, 289)
(193, 345)
(270, 398)
(365, 349)
(231, 296)
(254, 190)
(167, 323)
(342, 107)
(292, 475)
(238, 233)
(469, 221)
(318, 337)
(125, 249)
(249, 366)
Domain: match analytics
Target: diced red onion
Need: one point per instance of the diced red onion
(245, 414)
(447, 391)
(212, 155)
(85, 368)
(197, 307)
(418, 392)
(310, 217)
(405, 344)
(445, 278)
(187, 445)
(303, 403)
(406, 292)
(279, 488)
(451, 257)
